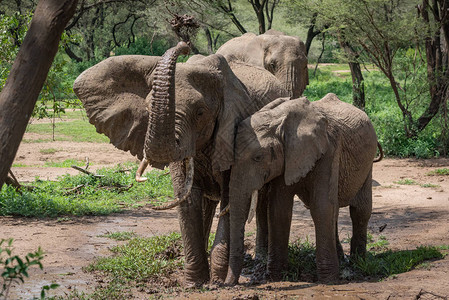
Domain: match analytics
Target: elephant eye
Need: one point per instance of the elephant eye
(200, 112)
(258, 157)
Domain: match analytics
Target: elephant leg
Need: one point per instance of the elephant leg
(219, 255)
(262, 224)
(340, 252)
(324, 207)
(360, 212)
(280, 206)
(209, 208)
(190, 215)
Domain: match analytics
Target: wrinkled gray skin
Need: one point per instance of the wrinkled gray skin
(168, 112)
(321, 151)
(282, 55)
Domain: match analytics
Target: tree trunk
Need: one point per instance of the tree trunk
(311, 33)
(210, 48)
(28, 75)
(358, 86)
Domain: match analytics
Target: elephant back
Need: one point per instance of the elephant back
(351, 128)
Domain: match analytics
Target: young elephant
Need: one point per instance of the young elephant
(321, 151)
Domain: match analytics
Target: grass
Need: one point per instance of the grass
(406, 181)
(119, 236)
(429, 185)
(86, 195)
(439, 172)
(60, 164)
(142, 259)
(48, 151)
(76, 131)
(379, 262)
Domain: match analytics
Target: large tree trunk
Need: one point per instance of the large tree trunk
(28, 75)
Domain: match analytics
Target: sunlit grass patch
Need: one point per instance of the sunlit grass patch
(120, 235)
(48, 151)
(439, 172)
(142, 259)
(406, 181)
(76, 131)
(85, 194)
(429, 185)
(379, 262)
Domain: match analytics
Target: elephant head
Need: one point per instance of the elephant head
(282, 55)
(285, 138)
(165, 111)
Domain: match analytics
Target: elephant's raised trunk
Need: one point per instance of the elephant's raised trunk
(160, 144)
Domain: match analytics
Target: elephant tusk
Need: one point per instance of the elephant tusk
(142, 166)
(253, 206)
(224, 211)
(212, 197)
(190, 170)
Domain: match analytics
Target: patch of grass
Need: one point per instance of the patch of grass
(120, 235)
(48, 151)
(301, 261)
(439, 172)
(379, 262)
(65, 164)
(390, 263)
(86, 195)
(379, 245)
(76, 131)
(142, 259)
(429, 185)
(406, 181)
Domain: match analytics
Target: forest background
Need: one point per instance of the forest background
(388, 57)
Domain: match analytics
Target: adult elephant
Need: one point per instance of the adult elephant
(321, 151)
(282, 55)
(184, 114)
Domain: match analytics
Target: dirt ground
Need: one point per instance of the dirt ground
(414, 215)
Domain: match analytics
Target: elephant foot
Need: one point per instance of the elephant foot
(219, 263)
(327, 275)
(231, 279)
(196, 279)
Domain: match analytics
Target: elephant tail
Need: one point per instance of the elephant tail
(381, 153)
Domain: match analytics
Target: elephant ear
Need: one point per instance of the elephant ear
(236, 105)
(113, 93)
(304, 132)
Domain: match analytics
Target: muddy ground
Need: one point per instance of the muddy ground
(414, 215)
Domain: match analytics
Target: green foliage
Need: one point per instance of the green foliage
(142, 258)
(379, 262)
(85, 195)
(406, 181)
(15, 268)
(57, 88)
(429, 185)
(143, 46)
(119, 236)
(301, 261)
(382, 109)
(439, 172)
(390, 263)
(76, 131)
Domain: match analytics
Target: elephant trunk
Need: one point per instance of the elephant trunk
(292, 84)
(160, 143)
